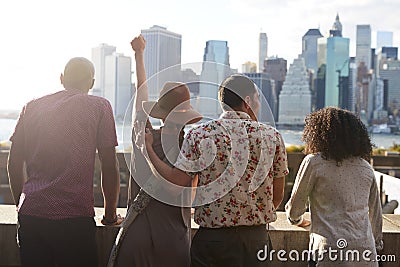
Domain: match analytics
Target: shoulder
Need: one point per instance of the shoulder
(45, 98)
(267, 131)
(97, 104)
(356, 161)
(204, 128)
(97, 99)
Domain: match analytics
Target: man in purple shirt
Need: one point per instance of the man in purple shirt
(55, 142)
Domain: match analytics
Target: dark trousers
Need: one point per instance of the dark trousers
(238, 246)
(67, 242)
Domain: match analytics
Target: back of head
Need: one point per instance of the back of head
(234, 89)
(78, 74)
(337, 134)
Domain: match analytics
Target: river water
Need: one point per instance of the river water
(291, 137)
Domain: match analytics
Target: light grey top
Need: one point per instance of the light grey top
(346, 212)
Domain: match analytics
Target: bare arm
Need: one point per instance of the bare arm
(15, 168)
(142, 94)
(278, 193)
(109, 181)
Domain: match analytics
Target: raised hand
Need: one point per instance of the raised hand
(138, 43)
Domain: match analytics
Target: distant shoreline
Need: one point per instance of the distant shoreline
(9, 114)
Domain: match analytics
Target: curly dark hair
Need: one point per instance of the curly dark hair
(337, 134)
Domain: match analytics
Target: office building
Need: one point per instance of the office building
(389, 52)
(295, 97)
(98, 58)
(118, 84)
(215, 69)
(363, 45)
(276, 68)
(262, 51)
(352, 84)
(268, 112)
(249, 67)
(320, 87)
(337, 28)
(310, 49)
(337, 60)
(163, 51)
(384, 38)
(390, 74)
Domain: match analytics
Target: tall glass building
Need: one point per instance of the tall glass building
(118, 84)
(337, 65)
(310, 49)
(384, 38)
(262, 51)
(215, 69)
(99, 55)
(363, 45)
(163, 50)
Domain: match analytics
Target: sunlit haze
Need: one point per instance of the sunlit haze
(38, 37)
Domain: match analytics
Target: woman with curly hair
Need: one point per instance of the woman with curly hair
(338, 184)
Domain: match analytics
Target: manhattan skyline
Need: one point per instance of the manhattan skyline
(39, 37)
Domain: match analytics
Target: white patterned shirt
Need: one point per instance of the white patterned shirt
(236, 159)
(344, 203)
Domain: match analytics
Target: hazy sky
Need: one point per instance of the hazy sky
(38, 37)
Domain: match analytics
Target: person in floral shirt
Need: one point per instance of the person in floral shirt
(240, 164)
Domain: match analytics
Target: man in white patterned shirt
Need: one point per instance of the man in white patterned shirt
(240, 164)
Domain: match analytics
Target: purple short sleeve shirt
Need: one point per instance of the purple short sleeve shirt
(60, 134)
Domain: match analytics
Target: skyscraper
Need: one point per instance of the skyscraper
(295, 97)
(384, 38)
(262, 51)
(363, 45)
(215, 69)
(276, 68)
(390, 52)
(310, 49)
(267, 107)
(336, 30)
(118, 83)
(163, 50)
(98, 57)
(321, 51)
(249, 67)
(337, 60)
(352, 84)
(390, 74)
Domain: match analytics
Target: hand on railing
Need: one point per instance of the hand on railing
(117, 220)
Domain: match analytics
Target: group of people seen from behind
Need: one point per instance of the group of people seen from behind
(230, 170)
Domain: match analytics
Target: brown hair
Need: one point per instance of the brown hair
(234, 89)
(337, 134)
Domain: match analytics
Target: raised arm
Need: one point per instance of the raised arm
(142, 94)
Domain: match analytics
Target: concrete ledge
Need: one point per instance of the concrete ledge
(284, 237)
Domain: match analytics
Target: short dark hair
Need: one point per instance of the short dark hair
(234, 89)
(337, 134)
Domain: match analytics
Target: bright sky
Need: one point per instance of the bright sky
(38, 37)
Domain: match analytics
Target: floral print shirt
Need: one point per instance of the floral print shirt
(236, 160)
